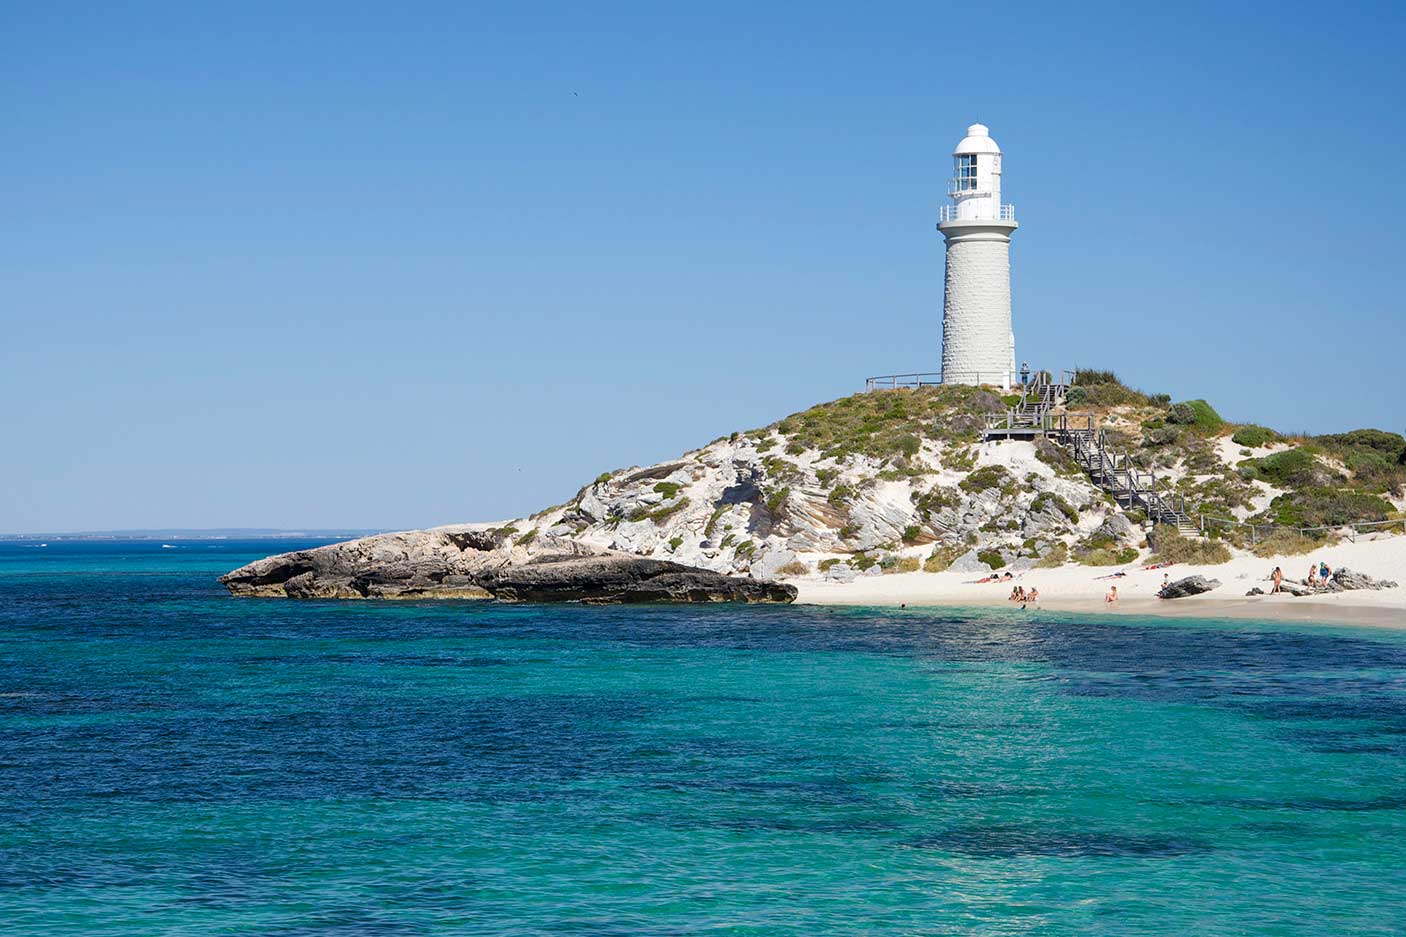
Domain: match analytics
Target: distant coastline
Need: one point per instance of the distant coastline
(213, 533)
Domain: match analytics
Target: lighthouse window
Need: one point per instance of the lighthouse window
(966, 172)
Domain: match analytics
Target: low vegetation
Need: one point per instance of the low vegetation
(1286, 543)
(1172, 546)
(943, 556)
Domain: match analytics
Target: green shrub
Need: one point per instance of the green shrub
(675, 543)
(1253, 436)
(793, 568)
(1203, 416)
(1046, 498)
(775, 499)
(668, 489)
(825, 565)
(1292, 468)
(745, 550)
(911, 533)
(527, 538)
(603, 477)
(991, 558)
(713, 521)
(862, 561)
(909, 445)
(1326, 507)
(795, 448)
(906, 564)
(824, 476)
(1172, 547)
(1160, 436)
(990, 476)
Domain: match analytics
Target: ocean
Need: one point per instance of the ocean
(175, 761)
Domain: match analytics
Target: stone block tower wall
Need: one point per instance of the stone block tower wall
(978, 344)
(976, 310)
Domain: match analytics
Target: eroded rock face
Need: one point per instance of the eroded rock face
(1191, 585)
(478, 563)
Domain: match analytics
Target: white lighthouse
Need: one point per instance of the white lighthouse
(978, 346)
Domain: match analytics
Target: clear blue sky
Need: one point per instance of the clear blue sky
(316, 264)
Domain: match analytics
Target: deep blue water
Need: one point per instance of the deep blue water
(175, 761)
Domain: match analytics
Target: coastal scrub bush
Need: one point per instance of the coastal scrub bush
(827, 564)
(990, 476)
(1197, 413)
(527, 538)
(675, 543)
(991, 558)
(943, 556)
(776, 498)
(911, 533)
(862, 561)
(909, 445)
(1106, 556)
(668, 489)
(824, 476)
(1285, 542)
(1172, 547)
(840, 494)
(793, 568)
(745, 550)
(1047, 498)
(1292, 468)
(1253, 436)
(906, 564)
(1095, 388)
(1326, 507)
(713, 521)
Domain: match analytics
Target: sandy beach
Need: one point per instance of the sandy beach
(1082, 588)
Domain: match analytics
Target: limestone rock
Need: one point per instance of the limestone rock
(1191, 585)
(479, 563)
(1349, 579)
(1118, 528)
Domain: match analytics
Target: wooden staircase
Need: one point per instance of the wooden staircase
(1113, 471)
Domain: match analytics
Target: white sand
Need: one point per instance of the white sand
(1079, 588)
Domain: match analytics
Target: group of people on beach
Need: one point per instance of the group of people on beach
(1319, 575)
(1018, 594)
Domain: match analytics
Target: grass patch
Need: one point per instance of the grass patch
(826, 565)
(943, 556)
(1285, 543)
(1106, 556)
(904, 564)
(1055, 556)
(1173, 547)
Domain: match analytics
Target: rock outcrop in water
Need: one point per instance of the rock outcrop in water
(480, 563)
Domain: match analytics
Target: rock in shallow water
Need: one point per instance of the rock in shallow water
(478, 564)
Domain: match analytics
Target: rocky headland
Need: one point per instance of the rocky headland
(874, 484)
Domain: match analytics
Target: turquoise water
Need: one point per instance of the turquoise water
(173, 761)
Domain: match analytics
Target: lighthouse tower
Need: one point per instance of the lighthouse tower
(978, 346)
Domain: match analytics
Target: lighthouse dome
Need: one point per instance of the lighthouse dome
(977, 140)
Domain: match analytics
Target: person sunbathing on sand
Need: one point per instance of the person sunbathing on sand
(1112, 597)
